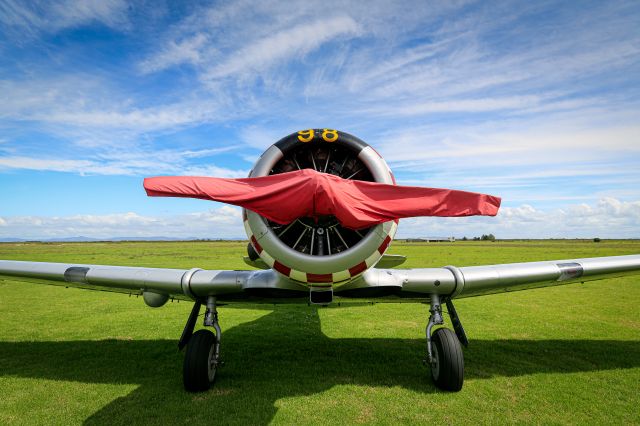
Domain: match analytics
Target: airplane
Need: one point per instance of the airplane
(321, 209)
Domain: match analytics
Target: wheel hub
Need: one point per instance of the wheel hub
(435, 365)
(213, 362)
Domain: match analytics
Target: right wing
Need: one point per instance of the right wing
(177, 283)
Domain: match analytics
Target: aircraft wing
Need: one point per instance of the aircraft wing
(177, 283)
(452, 281)
(479, 280)
(449, 281)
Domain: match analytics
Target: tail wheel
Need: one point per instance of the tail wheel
(200, 361)
(448, 369)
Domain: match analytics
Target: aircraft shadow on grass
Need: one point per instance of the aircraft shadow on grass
(284, 354)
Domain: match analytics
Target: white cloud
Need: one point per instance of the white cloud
(29, 18)
(189, 50)
(607, 218)
(142, 120)
(459, 105)
(222, 222)
(69, 13)
(517, 178)
(466, 55)
(56, 165)
(141, 163)
(279, 47)
(78, 103)
(570, 144)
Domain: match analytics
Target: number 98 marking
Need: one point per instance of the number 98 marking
(328, 135)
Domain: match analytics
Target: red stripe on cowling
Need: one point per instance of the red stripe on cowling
(256, 245)
(319, 278)
(284, 270)
(360, 267)
(384, 245)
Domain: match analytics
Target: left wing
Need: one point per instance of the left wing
(159, 284)
(452, 281)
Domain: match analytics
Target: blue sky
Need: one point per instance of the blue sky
(537, 102)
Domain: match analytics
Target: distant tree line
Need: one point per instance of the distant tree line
(484, 237)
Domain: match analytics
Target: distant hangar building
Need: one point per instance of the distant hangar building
(432, 240)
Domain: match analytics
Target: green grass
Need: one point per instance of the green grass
(564, 355)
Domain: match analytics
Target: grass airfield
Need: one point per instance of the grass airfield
(562, 355)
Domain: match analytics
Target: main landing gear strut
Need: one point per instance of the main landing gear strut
(444, 352)
(202, 358)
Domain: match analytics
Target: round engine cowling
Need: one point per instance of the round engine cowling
(320, 251)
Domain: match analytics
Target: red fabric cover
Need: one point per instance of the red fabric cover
(285, 197)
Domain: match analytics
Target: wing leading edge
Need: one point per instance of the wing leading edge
(449, 281)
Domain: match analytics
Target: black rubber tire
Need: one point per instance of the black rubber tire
(195, 371)
(448, 374)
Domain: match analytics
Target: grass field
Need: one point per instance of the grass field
(563, 355)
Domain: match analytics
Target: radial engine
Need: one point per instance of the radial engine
(319, 252)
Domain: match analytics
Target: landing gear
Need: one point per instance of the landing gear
(202, 358)
(444, 352)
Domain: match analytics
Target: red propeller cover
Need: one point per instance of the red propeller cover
(284, 197)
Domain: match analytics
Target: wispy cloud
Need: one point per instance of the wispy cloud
(30, 18)
(85, 101)
(142, 163)
(486, 147)
(222, 222)
(189, 50)
(282, 46)
(607, 218)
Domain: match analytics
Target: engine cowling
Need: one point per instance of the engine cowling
(320, 252)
